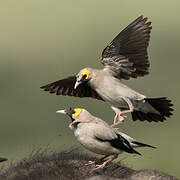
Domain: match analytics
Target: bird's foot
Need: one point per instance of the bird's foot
(90, 163)
(101, 166)
(118, 119)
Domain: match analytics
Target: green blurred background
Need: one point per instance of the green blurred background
(44, 40)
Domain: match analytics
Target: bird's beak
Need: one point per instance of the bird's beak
(77, 84)
(61, 111)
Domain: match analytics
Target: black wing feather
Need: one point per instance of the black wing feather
(120, 143)
(65, 87)
(126, 56)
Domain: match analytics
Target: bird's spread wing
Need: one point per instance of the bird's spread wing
(66, 87)
(126, 56)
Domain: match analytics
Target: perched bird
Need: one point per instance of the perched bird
(124, 58)
(97, 136)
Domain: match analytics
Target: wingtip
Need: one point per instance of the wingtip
(141, 17)
(43, 87)
(145, 21)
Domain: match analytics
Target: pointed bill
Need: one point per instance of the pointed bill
(61, 111)
(77, 84)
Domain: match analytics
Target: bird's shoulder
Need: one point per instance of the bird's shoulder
(102, 130)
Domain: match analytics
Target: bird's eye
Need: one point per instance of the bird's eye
(84, 76)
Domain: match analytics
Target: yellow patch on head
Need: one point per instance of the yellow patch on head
(77, 112)
(85, 72)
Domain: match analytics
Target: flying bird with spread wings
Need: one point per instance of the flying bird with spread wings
(125, 57)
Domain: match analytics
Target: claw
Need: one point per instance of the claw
(118, 119)
(90, 163)
(106, 162)
(100, 166)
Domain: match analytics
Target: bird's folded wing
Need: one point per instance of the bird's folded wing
(116, 140)
(101, 131)
(66, 87)
(126, 56)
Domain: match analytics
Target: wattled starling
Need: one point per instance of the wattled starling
(97, 136)
(124, 58)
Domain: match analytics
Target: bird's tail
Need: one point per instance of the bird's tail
(162, 105)
(2, 159)
(136, 152)
(139, 144)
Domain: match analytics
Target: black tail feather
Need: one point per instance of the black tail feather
(2, 159)
(142, 144)
(162, 105)
(136, 152)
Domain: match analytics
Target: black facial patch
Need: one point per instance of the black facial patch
(70, 112)
(76, 125)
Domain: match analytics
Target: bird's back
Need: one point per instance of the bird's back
(112, 89)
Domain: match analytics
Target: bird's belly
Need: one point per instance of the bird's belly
(115, 92)
(113, 98)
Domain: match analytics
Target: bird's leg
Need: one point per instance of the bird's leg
(129, 105)
(104, 157)
(101, 166)
(118, 119)
(93, 162)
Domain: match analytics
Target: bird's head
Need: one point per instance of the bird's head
(77, 115)
(82, 77)
(72, 113)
